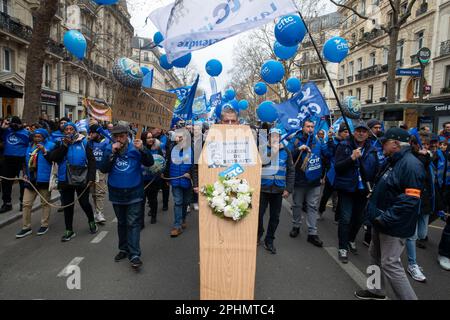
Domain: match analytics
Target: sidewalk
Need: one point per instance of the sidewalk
(15, 214)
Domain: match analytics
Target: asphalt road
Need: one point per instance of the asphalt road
(33, 267)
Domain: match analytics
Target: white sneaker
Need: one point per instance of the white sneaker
(196, 206)
(188, 209)
(444, 262)
(99, 217)
(416, 273)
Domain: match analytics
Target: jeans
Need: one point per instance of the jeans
(129, 228)
(444, 244)
(328, 191)
(181, 199)
(352, 206)
(311, 196)
(385, 252)
(421, 233)
(275, 201)
(68, 196)
(11, 169)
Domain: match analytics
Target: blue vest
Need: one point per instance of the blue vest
(76, 156)
(44, 168)
(276, 175)
(97, 149)
(180, 164)
(126, 172)
(16, 142)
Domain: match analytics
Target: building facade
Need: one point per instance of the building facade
(146, 53)
(364, 72)
(66, 81)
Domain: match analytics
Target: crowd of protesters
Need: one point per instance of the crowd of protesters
(391, 184)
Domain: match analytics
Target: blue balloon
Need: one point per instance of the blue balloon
(230, 94)
(213, 67)
(145, 70)
(290, 30)
(75, 43)
(183, 61)
(243, 105)
(100, 2)
(293, 85)
(164, 63)
(284, 53)
(260, 88)
(218, 111)
(266, 112)
(335, 49)
(235, 104)
(158, 38)
(272, 71)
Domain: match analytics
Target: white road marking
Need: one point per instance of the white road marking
(75, 262)
(349, 268)
(99, 237)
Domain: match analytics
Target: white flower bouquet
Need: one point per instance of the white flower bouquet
(229, 197)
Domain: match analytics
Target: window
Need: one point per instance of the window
(361, 33)
(4, 6)
(447, 77)
(342, 73)
(350, 68)
(360, 64)
(400, 50)
(146, 56)
(398, 88)
(350, 93)
(385, 56)
(362, 7)
(372, 59)
(7, 60)
(370, 94)
(358, 94)
(419, 39)
(47, 75)
(416, 85)
(81, 86)
(385, 89)
(403, 7)
(67, 81)
(341, 96)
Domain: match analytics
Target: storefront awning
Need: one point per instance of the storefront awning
(7, 91)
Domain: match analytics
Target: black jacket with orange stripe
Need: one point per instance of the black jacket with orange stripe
(394, 206)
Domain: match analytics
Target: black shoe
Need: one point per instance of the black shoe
(294, 232)
(60, 210)
(68, 235)
(136, 263)
(120, 256)
(315, 240)
(165, 208)
(153, 220)
(5, 208)
(367, 295)
(421, 244)
(23, 233)
(149, 213)
(42, 231)
(269, 247)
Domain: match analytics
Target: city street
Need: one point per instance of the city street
(33, 267)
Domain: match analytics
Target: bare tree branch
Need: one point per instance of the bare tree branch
(349, 8)
(407, 14)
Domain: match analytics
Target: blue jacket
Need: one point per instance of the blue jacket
(331, 173)
(98, 149)
(125, 184)
(377, 144)
(15, 142)
(56, 136)
(394, 206)
(318, 150)
(43, 166)
(349, 171)
(179, 162)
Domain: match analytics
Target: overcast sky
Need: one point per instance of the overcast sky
(223, 51)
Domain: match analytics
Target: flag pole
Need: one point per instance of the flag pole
(326, 73)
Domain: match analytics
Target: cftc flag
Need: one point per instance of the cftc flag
(189, 25)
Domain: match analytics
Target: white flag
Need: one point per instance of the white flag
(189, 25)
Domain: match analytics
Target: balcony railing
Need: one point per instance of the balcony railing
(16, 28)
(445, 90)
(384, 68)
(357, 77)
(316, 76)
(423, 9)
(88, 5)
(91, 66)
(375, 33)
(445, 48)
(349, 79)
(55, 48)
(341, 82)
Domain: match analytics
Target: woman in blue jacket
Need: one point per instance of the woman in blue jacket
(37, 171)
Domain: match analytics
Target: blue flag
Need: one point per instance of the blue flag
(414, 132)
(147, 82)
(199, 106)
(307, 103)
(184, 109)
(338, 122)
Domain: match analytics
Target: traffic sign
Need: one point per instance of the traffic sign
(409, 72)
(424, 55)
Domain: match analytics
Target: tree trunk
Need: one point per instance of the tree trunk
(392, 63)
(36, 58)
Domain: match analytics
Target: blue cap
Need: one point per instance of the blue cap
(71, 124)
(42, 132)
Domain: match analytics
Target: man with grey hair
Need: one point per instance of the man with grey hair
(229, 116)
(393, 210)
